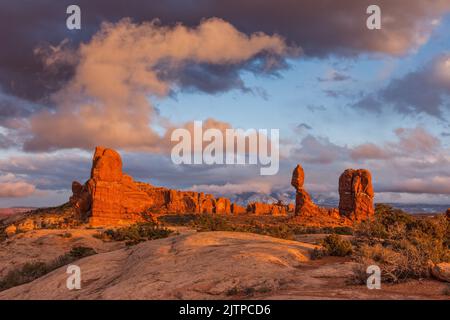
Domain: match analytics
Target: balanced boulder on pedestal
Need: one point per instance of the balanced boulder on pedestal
(303, 202)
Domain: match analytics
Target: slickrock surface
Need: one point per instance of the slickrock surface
(215, 265)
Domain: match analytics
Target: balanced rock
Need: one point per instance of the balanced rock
(298, 177)
(356, 194)
(303, 202)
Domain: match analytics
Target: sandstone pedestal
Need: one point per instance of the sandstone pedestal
(303, 202)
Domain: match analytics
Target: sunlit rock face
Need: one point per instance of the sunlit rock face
(355, 203)
(303, 202)
(111, 197)
(356, 194)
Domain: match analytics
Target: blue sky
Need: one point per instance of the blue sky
(290, 94)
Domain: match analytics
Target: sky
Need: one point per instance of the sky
(342, 96)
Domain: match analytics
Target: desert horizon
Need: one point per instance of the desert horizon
(240, 151)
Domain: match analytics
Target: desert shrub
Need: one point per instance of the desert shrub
(282, 231)
(3, 235)
(343, 230)
(79, 252)
(447, 291)
(388, 223)
(403, 246)
(334, 245)
(211, 222)
(322, 230)
(248, 291)
(66, 235)
(178, 219)
(317, 254)
(34, 270)
(136, 233)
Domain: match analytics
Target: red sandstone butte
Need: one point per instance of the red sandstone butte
(259, 208)
(112, 198)
(237, 209)
(356, 194)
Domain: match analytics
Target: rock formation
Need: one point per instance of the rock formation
(237, 209)
(111, 197)
(303, 203)
(447, 214)
(355, 204)
(441, 271)
(356, 194)
(259, 208)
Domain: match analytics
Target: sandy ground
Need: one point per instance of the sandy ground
(192, 265)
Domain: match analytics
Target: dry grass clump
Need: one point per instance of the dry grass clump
(34, 270)
(403, 246)
(333, 245)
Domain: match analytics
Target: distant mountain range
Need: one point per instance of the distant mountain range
(13, 210)
(330, 202)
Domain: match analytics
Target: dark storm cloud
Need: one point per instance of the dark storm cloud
(321, 28)
(422, 91)
(203, 77)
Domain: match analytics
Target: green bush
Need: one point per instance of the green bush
(211, 222)
(334, 245)
(136, 233)
(34, 270)
(79, 252)
(278, 227)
